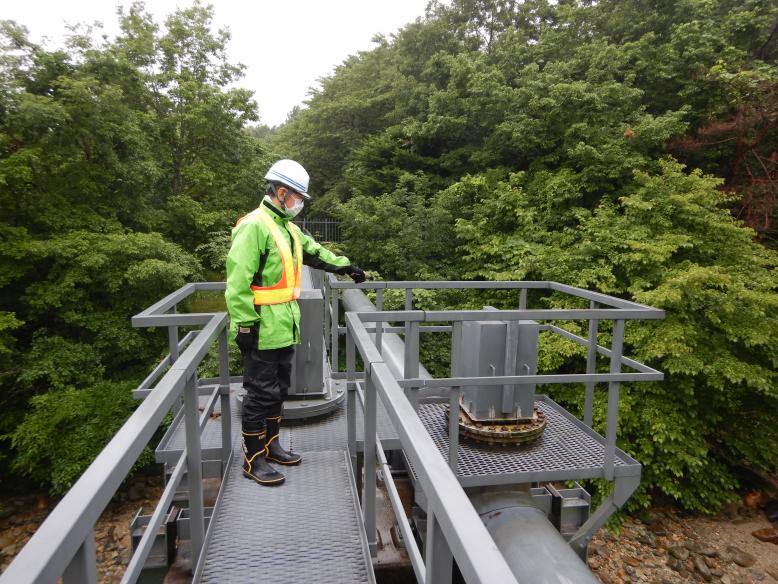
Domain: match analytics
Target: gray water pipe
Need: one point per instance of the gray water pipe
(533, 548)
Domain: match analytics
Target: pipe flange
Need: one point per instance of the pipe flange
(502, 434)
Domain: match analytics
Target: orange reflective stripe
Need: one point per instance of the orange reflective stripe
(285, 289)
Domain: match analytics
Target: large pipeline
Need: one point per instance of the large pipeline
(533, 548)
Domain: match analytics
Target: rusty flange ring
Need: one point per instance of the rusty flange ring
(506, 434)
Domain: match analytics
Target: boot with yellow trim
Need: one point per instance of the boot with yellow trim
(255, 466)
(276, 452)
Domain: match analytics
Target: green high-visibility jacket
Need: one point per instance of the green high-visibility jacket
(254, 259)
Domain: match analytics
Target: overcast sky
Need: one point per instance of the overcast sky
(291, 42)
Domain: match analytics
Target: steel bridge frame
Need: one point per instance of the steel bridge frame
(64, 545)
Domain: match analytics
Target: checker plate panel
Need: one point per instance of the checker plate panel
(305, 530)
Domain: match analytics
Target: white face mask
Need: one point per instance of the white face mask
(296, 208)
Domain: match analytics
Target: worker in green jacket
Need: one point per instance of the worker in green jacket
(264, 270)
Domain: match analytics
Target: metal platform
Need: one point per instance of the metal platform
(173, 442)
(325, 433)
(567, 450)
(306, 530)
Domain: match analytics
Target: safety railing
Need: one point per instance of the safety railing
(454, 530)
(321, 229)
(64, 545)
(401, 397)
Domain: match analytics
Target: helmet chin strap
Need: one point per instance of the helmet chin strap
(274, 190)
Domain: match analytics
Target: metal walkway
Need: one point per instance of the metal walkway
(306, 530)
(326, 433)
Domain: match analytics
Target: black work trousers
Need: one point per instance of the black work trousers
(267, 374)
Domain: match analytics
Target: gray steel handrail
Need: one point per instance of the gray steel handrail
(64, 545)
(618, 309)
(412, 386)
(454, 529)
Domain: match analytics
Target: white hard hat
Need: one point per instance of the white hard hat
(290, 173)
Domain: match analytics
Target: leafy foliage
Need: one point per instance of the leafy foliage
(506, 140)
(67, 428)
(115, 158)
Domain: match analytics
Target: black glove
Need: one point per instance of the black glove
(357, 274)
(247, 337)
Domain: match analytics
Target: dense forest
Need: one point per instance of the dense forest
(624, 146)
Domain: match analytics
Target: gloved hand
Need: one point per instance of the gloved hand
(247, 337)
(357, 274)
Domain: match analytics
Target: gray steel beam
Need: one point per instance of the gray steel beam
(138, 559)
(511, 379)
(439, 560)
(502, 315)
(601, 350)
(437, 285)
(613, 398)
(369, 494)
(476, 553)
(194, 469)
(602, 298)
(224, 390)
(82, 569)
(591, 367)
(623, 487)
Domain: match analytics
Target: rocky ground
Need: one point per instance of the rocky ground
(20, 517)
(666, 548)
(670, 548)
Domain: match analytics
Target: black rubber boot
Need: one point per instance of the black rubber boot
(276, 453)
(255, 466)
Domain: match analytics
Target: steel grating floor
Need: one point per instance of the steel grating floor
(567, 451)
(174, 441)
(306, 530)
(326, 433)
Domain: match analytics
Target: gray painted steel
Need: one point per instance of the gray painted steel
(306, 530)
(498, 348)
(527, 539)
(64, 546)
(392, 346)
(307, 372)
(467, 540)
(325, 433)
(565, 451)
(173, 442)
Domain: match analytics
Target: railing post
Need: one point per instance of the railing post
(453, 428)
(327, 294)
(224, 390)
(454, 396)
(411, 360)
(351, 398)
(194, 467)
(591, 367)
(369, 497)
(613, 398)
(172, 339)
(82, 569)
(439, 560)
(379, 330)
(334, 343)
(523, 299)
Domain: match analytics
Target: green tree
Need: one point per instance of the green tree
(504, 140)
(115, 158)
